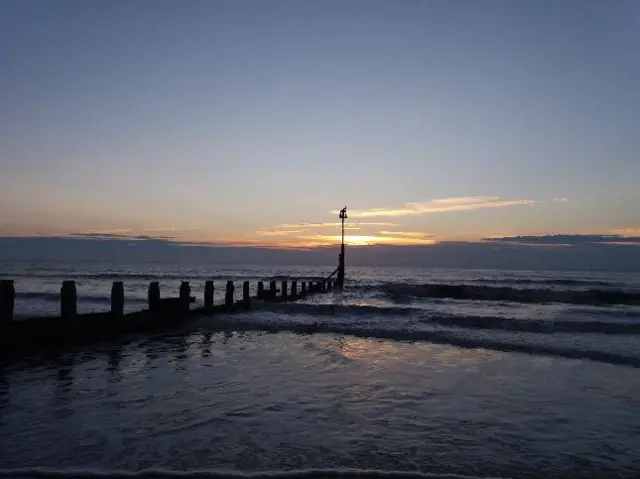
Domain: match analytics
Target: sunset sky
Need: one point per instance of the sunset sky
(254, 122)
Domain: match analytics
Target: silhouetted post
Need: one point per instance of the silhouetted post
(329, 285)
(343, 216)
(228, 297)
(284, 289)
(153, 297)
(68, 300)
(303, 291)
(272, 289)
(323, 286)
(185, 297)
(208, 296)
(246, 300)
(260, 289)
(117, 299)
(7, 301)
(294, 289)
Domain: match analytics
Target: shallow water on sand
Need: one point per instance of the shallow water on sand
(276, 402)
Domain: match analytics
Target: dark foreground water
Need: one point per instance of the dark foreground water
(452, 399)
(274, 402)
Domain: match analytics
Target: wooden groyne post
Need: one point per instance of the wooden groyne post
(228, 297)
(185, 297)
(117, 299)
(7, 302)
(208, 296)
(246, 300)
(303, 289)
(154, 296)
(284, 290)
(68, 301)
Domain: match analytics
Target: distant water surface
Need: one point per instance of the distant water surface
(405, 378)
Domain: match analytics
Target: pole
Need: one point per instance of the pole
(343, 216)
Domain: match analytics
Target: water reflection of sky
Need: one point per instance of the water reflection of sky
(255, 401)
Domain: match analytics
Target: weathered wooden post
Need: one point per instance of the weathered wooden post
(272, 289)
(294, 289)
(228, 297)
(7, 301)
(329, 285)
(208, 296)
(185, 297)
(303, 287)
(246, 300)
(323, 286)
(284, 290)
(260, 289)
(68, 300)
(153, 296)
(117, 299)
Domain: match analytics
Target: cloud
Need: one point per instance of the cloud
(627, 232)
(336, 224)
(294, 229)
(561, 200)
(279, 232)
(416, 234)
(440, 205)
(116, 231)
(171, 229)
(566, 240)
(117, 236)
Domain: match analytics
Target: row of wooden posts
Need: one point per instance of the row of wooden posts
(69, 299)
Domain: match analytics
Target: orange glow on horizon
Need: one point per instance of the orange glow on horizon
(368, 240)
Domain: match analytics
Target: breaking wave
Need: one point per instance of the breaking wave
(443, 336)
(593, 297)
(625, 326)
(550, 281)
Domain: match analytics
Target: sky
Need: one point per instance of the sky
(253, 122)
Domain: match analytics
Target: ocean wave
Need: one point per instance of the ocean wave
(212, 474)
(547, 281)
(436, 337)
(625, 326)
(595, 297)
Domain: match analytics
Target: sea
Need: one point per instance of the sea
(404, 373)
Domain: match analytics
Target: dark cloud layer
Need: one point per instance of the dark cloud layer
(583, 255)
(112, 236)
(566, 239)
